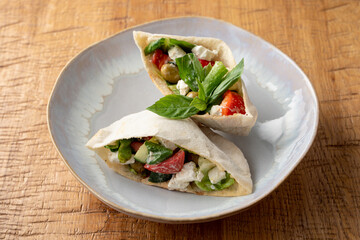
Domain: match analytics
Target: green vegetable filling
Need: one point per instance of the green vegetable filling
(158, 153)
(124, 153)
(123, 148)
(205, 166)
(207, 186)
(113, 148)
(159, 177)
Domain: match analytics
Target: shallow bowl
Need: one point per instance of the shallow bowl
(107, 81)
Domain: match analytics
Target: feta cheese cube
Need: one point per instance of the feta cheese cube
(182, 87)
(215, 110)
(204, 53)
(113, 157)
(176, 52)
(188, 173)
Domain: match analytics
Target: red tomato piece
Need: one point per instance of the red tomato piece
(159, 58)
(171, 165)
(232, 103)
(204, 63)
(147, 138)
(136, 145)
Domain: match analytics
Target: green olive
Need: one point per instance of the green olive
(170, 72)
(192, 94)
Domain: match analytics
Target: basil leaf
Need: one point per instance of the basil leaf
(113, 148)
(174, 107)
(201, 92)
(214, 78)
(230, 79)
(159, 177)
(167, 45)
(199, 104)
(190, 70)
(157, 153)
(207, 69)
(151, 47)
(186, 46)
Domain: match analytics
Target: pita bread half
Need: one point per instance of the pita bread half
(235, 124)
(184, 133)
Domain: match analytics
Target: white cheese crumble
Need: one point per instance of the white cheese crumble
(204, 53)
(182, 87)
(188, 173)
(216, 175)
(167, 143)
(113, 157)
(176, 52)
(215, 110)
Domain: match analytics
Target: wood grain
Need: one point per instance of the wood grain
(40, 199)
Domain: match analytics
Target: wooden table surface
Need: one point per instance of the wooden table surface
(40, 199)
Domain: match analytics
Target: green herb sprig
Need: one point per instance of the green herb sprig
(210, 85)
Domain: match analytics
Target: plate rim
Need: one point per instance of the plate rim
(183, 220)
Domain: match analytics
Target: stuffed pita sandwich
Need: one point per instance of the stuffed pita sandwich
(173, 154)
(200, 79)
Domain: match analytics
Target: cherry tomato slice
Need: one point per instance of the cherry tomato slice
(171, 165)
(232, 103)
(136, 145)
(159, 58)
(204, 63)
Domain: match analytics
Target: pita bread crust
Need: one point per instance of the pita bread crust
(235, 124)
(184, 133)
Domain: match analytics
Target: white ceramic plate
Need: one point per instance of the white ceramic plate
(107, 81)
